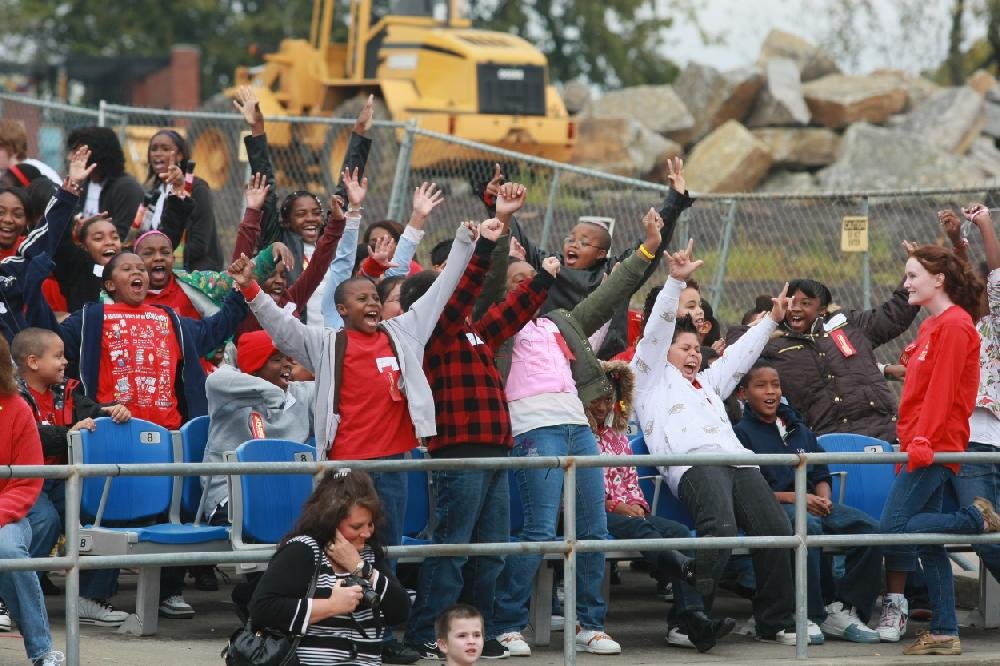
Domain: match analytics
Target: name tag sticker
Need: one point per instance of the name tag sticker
(86, 543)
(303, 457)
(873, 449)
(149, 437)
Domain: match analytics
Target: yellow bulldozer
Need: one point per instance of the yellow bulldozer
(423, 62)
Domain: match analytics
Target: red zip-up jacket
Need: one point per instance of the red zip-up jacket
(942, 378)
(19, 445)
(472, 415)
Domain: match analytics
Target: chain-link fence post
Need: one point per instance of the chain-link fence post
(720, 270)
(550, 209)
(683, 229)
(866, 269)
(101, 113)
(402, 177)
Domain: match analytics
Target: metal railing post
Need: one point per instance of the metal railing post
(74, 485)
(101, 113)
(801, 564)
(569, 565)
(720, 270)
(550, 209)
(401, 179)
(866, 267)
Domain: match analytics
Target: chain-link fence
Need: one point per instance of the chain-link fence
(751, 244)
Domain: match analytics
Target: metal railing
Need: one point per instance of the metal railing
(72, 562)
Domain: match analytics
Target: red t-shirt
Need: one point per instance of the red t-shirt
(139, 357)
(47, 415)
(942, 378)
(374, 419)
(12, 250)
(174, 297)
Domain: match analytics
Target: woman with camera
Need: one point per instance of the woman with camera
(332, 550)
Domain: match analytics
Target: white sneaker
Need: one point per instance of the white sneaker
(678, 638)
(176, 607)
(558, 623)
(100, 612)
(596, 642)
(50, 658)
(515, 644)
(892, 624)
(5, 623)
(787, 637)
(844, 623)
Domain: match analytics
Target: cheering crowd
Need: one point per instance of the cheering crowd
(312, 334)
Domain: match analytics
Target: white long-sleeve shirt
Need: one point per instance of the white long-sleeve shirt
(675, 415)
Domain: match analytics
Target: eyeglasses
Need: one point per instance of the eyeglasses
(581, 243)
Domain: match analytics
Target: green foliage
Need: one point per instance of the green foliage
(612, 43)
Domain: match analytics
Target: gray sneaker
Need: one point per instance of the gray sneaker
(100, 612)
(175, 607)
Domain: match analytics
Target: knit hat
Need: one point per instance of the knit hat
(253, 350)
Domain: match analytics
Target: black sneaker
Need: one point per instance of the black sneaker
(426, 650)
(394, 652)
(492, 649)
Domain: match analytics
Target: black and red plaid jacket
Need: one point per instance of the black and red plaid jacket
(458, 361)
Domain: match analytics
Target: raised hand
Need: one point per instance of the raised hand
(174, 178)
(493, 186)
(79, 221)
(356, 190)
(491, 229)
(248, 105)
(366, 117)
(675, 174)
(951, 224)
(908, 246)
(682, 263)
(336, 207)
(652, 223)
(551, 265)
(473, 229)
(510, 198)
(257, 190)
(978, 214)
(425, 199)
(282, 254)
(78, 169)
(241, 271)
(385, 247)
(780, 305)
(517, 250)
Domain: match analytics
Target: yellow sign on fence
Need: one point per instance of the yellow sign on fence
(854, 234)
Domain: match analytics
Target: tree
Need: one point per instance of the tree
(611, 43)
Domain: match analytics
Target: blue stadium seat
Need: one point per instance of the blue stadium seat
(194, 437)
(658, 494)
(866, 486)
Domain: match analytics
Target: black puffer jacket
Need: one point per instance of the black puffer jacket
(834, 392)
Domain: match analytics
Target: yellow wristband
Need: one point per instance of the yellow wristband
(644, 252)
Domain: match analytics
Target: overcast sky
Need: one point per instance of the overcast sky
(745, 23)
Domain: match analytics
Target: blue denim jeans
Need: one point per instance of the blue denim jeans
(541, 493)
(22, 592)
(391, 489)
(862, 578)
(981, 480)
(914, 506)
(472, 507)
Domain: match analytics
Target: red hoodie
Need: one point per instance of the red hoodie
(942, 378)
(19, 445)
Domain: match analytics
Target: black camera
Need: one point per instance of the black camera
(369, 597)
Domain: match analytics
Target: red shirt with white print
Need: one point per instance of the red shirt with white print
(139, 357)
(374, 420)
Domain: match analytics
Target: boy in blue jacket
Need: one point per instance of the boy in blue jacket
(771, 426)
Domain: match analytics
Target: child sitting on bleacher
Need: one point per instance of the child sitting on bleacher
(771, 426)
(60, 405)
(256, 401)
(630, 517)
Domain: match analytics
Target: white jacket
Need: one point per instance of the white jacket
(675, 416)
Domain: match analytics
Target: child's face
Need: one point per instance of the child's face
(277, 370)
(585, 246)
(518, 272)
(601, 408)
(158, 254)
(361, 309)
(102, 242)
(685, 355)
(306, 218)
(276, 284)
(802, 312)
(763, 393)
(129, 281)
(690, 304)
(13, 220)
(465, 641)
(50, 367)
